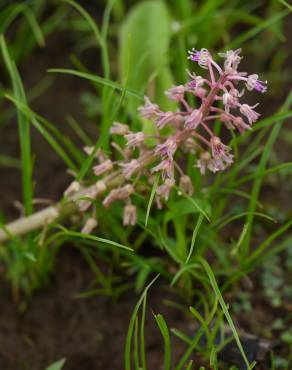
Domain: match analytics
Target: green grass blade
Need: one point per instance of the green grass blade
(142, 335)
(79, 131)
(54, 144)
(257, 29)
(152, 195)
(7, 161)
(258, 181)
(136, 344)
(194, 236)
(36, 29)
(289, 6)
(220, 225)
(8, 15)
(97, 80)
(57, 365)
(263, 246)
(95, 238)
(224, 308)
(23, 129)
(253, 176)
(182, 270)
(166, 338)
(190, 365)
(193, 201)
(132, 323)
(100, 40)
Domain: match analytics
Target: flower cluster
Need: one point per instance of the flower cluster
(218, 98)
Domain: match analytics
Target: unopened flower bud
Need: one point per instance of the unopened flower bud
(100, 186)
(130, 215)
(164, 118)
(148, 110)
(164, 190)
(168, 148)
(74, 187)
(130, 168)
(118, 194)
(84, 204)
(186, 185)
(99, 154)
(204, 162)
(103, 167)
(135, 139)
(249, 112)
(89, 226)
(194, 119)
(166, 166)
(119, 129)
(176, 93)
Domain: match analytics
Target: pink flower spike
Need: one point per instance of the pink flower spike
(202, 57)
(164, 190)
(89, 226)
(220, 153)
(134, 139)
(227, 120)
(185, 183)
(164, 118)
(148, 110)
(196, 81)
(195, 118)
(252, 82)
(230, 99)
(101, 168)
(130, 215)
(130, 168)
(166, 166)
(249, 112)
(204, 162)
(118, 194)
(119, 129)
(240, 125)
(232, 60)
(168, 148)
(176, 93)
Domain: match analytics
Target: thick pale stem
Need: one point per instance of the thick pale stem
(63, 209)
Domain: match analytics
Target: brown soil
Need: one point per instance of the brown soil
(90, 333)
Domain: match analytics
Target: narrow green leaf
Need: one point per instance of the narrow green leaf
(224, 308)
(57, 365)
(152, 195)
(194, 236)
(166, 338)
(35, 27)
(98, 80)
(258, 181)
(50, 139)
(96, 238)
(132, 323)
(23, 129)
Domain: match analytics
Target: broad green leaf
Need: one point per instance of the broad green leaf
(144, 43)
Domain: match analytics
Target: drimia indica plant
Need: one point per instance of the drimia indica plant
(156, 161)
